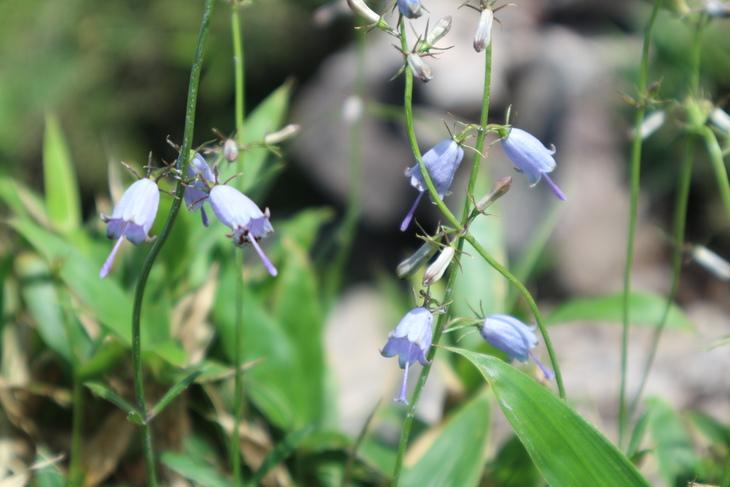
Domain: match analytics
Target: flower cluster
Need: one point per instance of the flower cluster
(135, 213)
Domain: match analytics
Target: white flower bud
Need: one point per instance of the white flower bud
(420, 69)
(441, 28)
(285, 133)
(411, 265)
(230, 150)
(483, 35)
(721, 120)
(360, 8)
(436, 270)
(713, 263)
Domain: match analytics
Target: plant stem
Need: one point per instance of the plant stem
(184, 160)
(238, 388)
(239, 68)
(635, 177)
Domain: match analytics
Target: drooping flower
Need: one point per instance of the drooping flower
(410, 8)
(531, 158)
(483, 35)
(410, 340)
(435, 271)
(513, 337)
(441, 163)
(132, 217)
(420, 69)
(248, 222)
(196, 191)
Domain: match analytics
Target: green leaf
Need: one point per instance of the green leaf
(644, 309)
(267, 117)
(41, 300)
(173, 393)
(513, 467)
(112, 397)
(281, 452)
(455, 457)
(672, 444)
(61, 186)
(195, 463)
(566, 449)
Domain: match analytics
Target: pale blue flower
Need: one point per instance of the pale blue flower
(410, 8)
(531, 158)
(248, 222)
(410, 340)
(513, 337)
(196, 192)
(441, 163)
(132, 217)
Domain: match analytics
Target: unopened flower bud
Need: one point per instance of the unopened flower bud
(720, 119)
(360, 8)
(651, 123)
(230, 150)
(441, 28)
(436, 270)
(483, 35)
(713, 263)
(285, 133)
(419, 68)
(499, 189)
(714, 8)
(411, 265)
(410, 8)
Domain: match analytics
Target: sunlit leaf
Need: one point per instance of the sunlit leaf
(59, 176)
(566, 449)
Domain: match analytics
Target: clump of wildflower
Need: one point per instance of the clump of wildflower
(441, 162)
(410, 340)
(196, 191)
(248, 222)
(513, 337)
(530, 157)
(133, 217)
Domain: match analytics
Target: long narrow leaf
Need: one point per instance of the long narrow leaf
(173, 393)
(280, 453)
(566, 449)
(113, 398)
(61, 186)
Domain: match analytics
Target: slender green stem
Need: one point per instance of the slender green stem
(184, 160)
(239, 78)
(238, 388)
(716, 161)
(635, 174)
(680, 220)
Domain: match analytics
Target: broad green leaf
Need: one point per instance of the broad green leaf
(456, 455)
(566, 449)
(41, 300)
(267, 117)
(59, 177)
(671, 443)
(109, 353)
(513, 467)
(644, 309)
(281, 452)
(195, 463)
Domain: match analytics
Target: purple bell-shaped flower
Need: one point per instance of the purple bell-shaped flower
(531, 158)
(513, 337)
(410, 340)
(132, 217)
(196, 191)
(441, 162)
(410, 8)
(248, 222)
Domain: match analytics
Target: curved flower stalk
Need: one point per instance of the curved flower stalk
(441, 162)
(410, 340)
(249, 224)
(196, 192)
(513, 337)
(530, 157)
(133, 217)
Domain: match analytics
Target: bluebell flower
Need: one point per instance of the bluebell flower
(483, 35)
(410, 8)
(132, 217)
(410, 340)
(248, 222)
(441, 163)
(513, 337)
(196, 191)
(531, 158)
